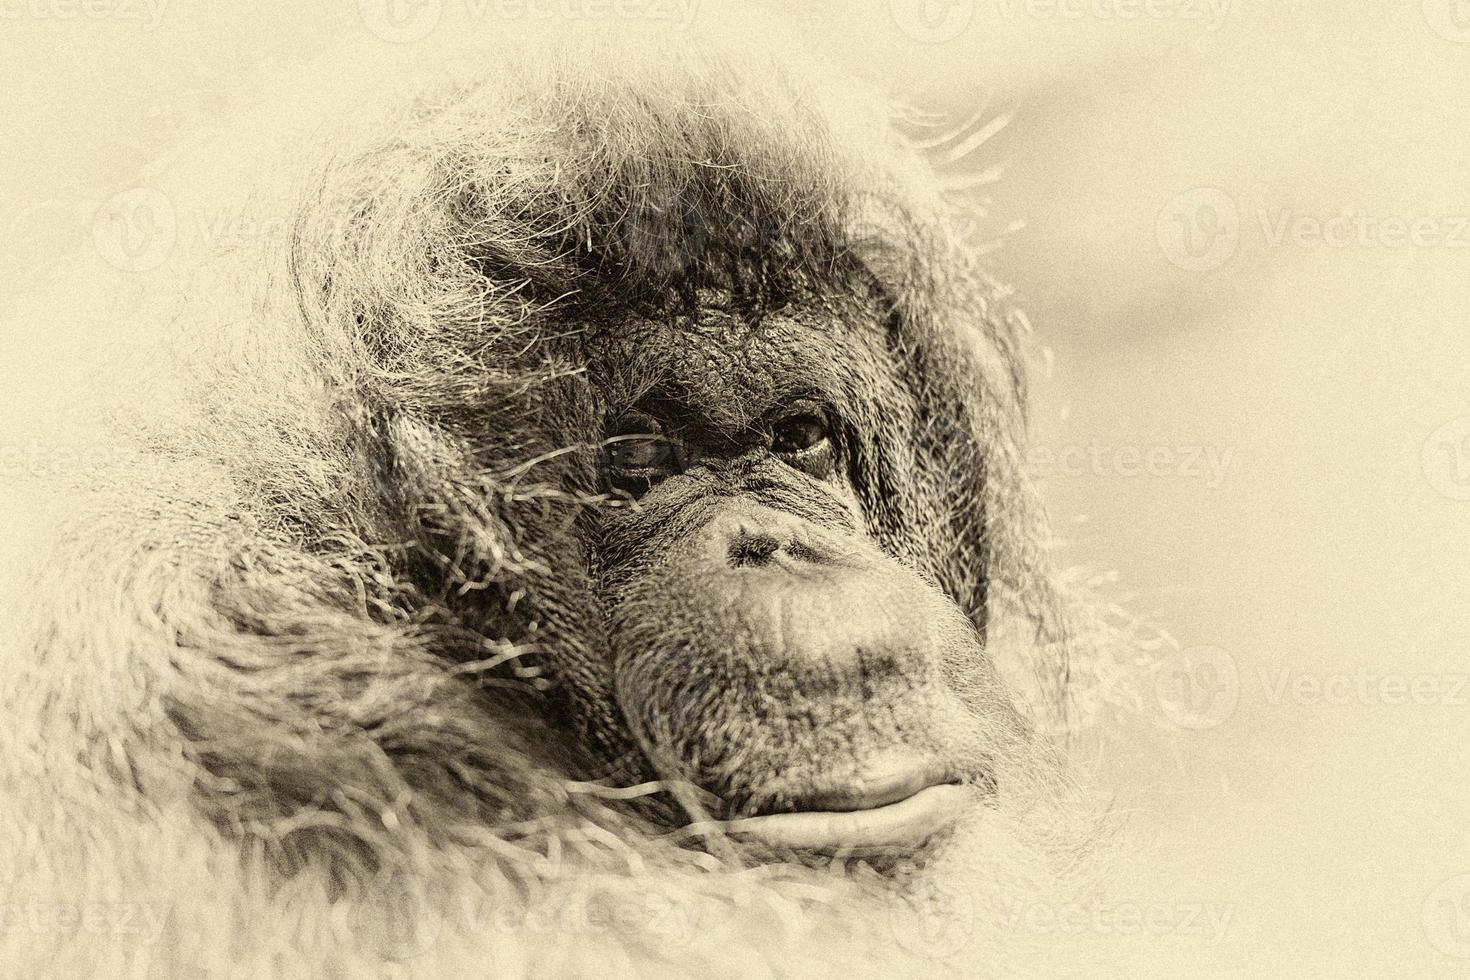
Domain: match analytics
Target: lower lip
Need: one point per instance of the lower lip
(906, 823)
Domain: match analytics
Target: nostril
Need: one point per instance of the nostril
(753, 550)
(797, 551)
(760, 550)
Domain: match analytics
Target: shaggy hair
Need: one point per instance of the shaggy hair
(256, 704)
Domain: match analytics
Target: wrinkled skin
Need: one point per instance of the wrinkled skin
(765, 642)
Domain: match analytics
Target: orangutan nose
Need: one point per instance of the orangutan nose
(817, 603)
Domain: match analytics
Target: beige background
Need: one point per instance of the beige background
(1331, 545)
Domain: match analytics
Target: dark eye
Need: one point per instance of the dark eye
(637, 453)
(798, 433)
(802, 437)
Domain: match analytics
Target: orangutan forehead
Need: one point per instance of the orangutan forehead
(732, 367)
(695, 254)
(645, 191)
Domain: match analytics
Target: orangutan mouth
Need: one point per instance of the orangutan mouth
(898, 809)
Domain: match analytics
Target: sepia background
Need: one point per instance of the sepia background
(1242, 234)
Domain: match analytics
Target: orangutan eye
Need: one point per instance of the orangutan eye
(802, 437)
(633, 452)
(798, 433)
(638, 453)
